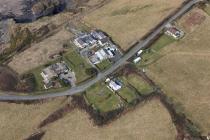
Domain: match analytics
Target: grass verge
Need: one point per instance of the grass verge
(139, 84)
(152, 54)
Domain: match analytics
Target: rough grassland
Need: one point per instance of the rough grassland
(139, 83)
(184, 73)
(127, 21)
(18, 121)
(38, 54)
(148, 122)
(102, 98)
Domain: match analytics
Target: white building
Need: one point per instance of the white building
(101, 54)
(98, 57)
(115, 85)
(139, 52)
(137, 60)
(111, 52)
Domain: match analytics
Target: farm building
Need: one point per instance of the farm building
(100, 37)
(84, 41)
(103, 54)
(98, 46)
(91, 39)
(174, 32)
(139, 52)
(57, 70)
(136, 60)
(115, 85)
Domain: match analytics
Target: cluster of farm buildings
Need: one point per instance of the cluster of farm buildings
(58, 70)
(99, 46)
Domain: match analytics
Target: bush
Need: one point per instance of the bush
(91, 71)
(192, 129)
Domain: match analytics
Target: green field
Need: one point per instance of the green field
(152, 54)
(102, 98)
(138, 83)
(104, 65)
(78, 65)
(127, 93)
(38, 78)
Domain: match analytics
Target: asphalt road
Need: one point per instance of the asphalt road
(78, 89)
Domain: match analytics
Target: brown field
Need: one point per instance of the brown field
(192, 20)
(18, 121)
(184, 74)
(38, 54)
(148, 122)
(127, 21)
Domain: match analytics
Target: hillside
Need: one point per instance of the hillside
(26, 11)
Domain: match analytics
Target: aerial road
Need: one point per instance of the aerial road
(9, 96)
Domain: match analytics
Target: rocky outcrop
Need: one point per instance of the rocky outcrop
(30, 10)
(47, 7)
(6, 29)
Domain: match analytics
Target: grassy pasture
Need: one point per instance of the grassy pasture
(137, 82)
(135, 125)
(18, 121)
(152, 54)
(102, 98)
(128, 21)
(127, 92)
(183, 72)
